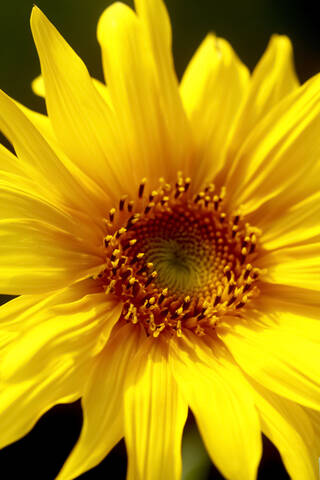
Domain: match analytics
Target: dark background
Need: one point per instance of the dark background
(247, 24)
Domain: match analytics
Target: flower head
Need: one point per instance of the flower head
(164, 241)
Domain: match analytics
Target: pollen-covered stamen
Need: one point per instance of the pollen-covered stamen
(178, 260)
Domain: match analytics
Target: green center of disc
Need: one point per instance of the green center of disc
(176, 263)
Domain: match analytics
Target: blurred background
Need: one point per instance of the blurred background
(247, 25)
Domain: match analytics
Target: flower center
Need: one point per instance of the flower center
(178, 260)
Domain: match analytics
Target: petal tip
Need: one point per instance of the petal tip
(35, 12)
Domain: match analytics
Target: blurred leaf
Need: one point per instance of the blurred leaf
(196, 463)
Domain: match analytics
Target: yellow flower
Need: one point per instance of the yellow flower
(164, 239)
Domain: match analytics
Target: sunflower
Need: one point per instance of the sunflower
(163, 239)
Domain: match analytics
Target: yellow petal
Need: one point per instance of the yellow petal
(41, 246)
(212, 89)
(38, 86)
(156, 23)
(83, 122)
(38, 164)
(131, 83)
(158, 41)
(90, 197)
(272, 80)
(48, 226)
(43, 125)
(48, 351)
(298, 224)
(277, 358)
(103, 91)
(314, 418)
(278, 164)
(136, 94)
(294, 307)
(302, 326)
(289, 428)
(294, 266)
(102, 403)
(154, 415)
(8, 161)
(35, 159)
(222, 402)
(284, 298)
